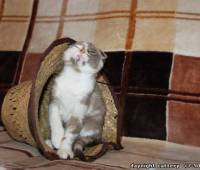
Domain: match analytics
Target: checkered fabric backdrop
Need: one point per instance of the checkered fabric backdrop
(163, 38)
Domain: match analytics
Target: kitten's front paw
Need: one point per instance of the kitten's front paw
(57, 138)
(65, 153)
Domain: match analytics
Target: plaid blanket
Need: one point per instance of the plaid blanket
(14, 23)
(162, 38)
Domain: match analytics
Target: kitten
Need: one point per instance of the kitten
(77, 110)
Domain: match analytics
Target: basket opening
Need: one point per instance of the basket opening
(44, 126)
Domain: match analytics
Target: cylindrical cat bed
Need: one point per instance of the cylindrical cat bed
(23, 103)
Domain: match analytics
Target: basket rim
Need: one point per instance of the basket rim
(32, 118)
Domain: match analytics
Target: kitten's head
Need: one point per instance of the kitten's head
(85, 57)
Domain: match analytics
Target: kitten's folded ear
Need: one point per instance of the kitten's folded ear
(103, 55)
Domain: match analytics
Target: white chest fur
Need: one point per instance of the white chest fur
(71, 87)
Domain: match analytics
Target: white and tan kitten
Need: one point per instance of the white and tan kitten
(76, 111)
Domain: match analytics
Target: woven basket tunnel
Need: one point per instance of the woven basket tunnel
(23, 103)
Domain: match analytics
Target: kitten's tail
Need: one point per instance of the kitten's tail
(80, 144)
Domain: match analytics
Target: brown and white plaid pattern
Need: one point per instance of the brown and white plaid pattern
(160, 25)
(171, 25)
(14, 23)
(103, 22)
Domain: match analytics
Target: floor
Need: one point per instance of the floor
(137, 154)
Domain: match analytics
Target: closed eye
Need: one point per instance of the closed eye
(92, 52)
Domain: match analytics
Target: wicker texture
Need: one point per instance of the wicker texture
(110, 125)
(14, 112)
